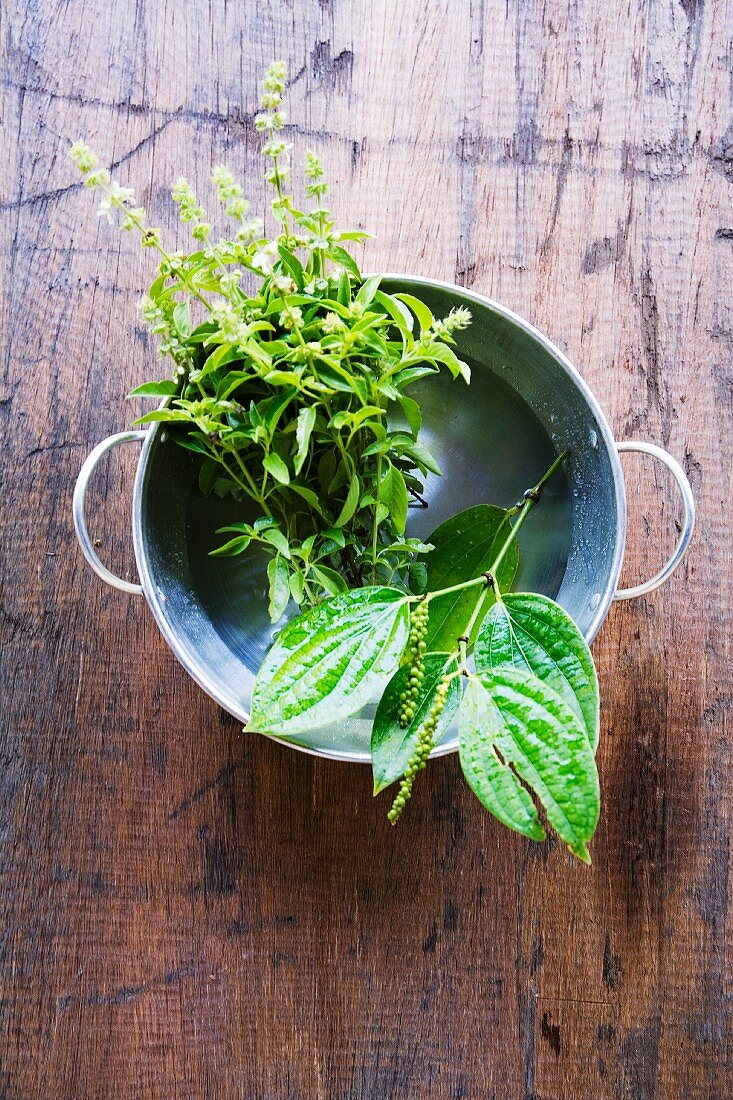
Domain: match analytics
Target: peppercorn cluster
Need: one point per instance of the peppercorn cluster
(423, 748)
(416, 646)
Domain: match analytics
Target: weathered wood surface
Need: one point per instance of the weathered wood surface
(187, 913)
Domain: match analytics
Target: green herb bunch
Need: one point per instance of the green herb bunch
(290, 377)
(289, 381)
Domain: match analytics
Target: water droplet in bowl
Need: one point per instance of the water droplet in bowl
(593, 439)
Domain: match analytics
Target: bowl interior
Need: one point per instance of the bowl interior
(492, 440)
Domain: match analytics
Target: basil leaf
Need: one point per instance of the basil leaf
(465, 546)
(368, 289)
(339, 378)
(420, 310)
(208, 474)
(279, 577)
(304, 427)
(165, 415)
(231, 381)
(342, 257)
(202, 332)
(231, 548)
(223, 354)
(406, 377)
(326, 664)
(352, 499)
(166, 388)
(335, 534)
(293, 264)
(511, 726)
(393, 494)
(421, 456)
(276, 406)
(275, 466)
(297, 587)
(418, 576)
(392, 746)
(344, 289)
(412, 412)
(190, 442)
(276, 538)
(399, 314)
(332, 581)
(533, 633)
(282, 378)
(182, 319)
(443, 354)
(308, 496)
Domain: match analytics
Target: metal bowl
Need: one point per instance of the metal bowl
(526, 403)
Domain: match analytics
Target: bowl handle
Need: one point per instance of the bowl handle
(688, 522)
(78, 508)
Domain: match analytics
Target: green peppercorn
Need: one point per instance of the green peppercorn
(415, 651)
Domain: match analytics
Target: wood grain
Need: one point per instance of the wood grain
(188, 913)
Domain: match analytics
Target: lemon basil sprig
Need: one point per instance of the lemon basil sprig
(527, 707)
(290, 376)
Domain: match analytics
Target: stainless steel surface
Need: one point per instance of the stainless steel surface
(79, 509)
(526, 403)
(688, 519)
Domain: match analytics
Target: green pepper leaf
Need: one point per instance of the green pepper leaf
(465, 546)
(326, 664)
(512, 727)
(533, 633)
(392, 746)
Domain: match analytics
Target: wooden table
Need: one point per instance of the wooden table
(186, 912)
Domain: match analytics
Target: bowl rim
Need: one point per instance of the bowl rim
(156, 599)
